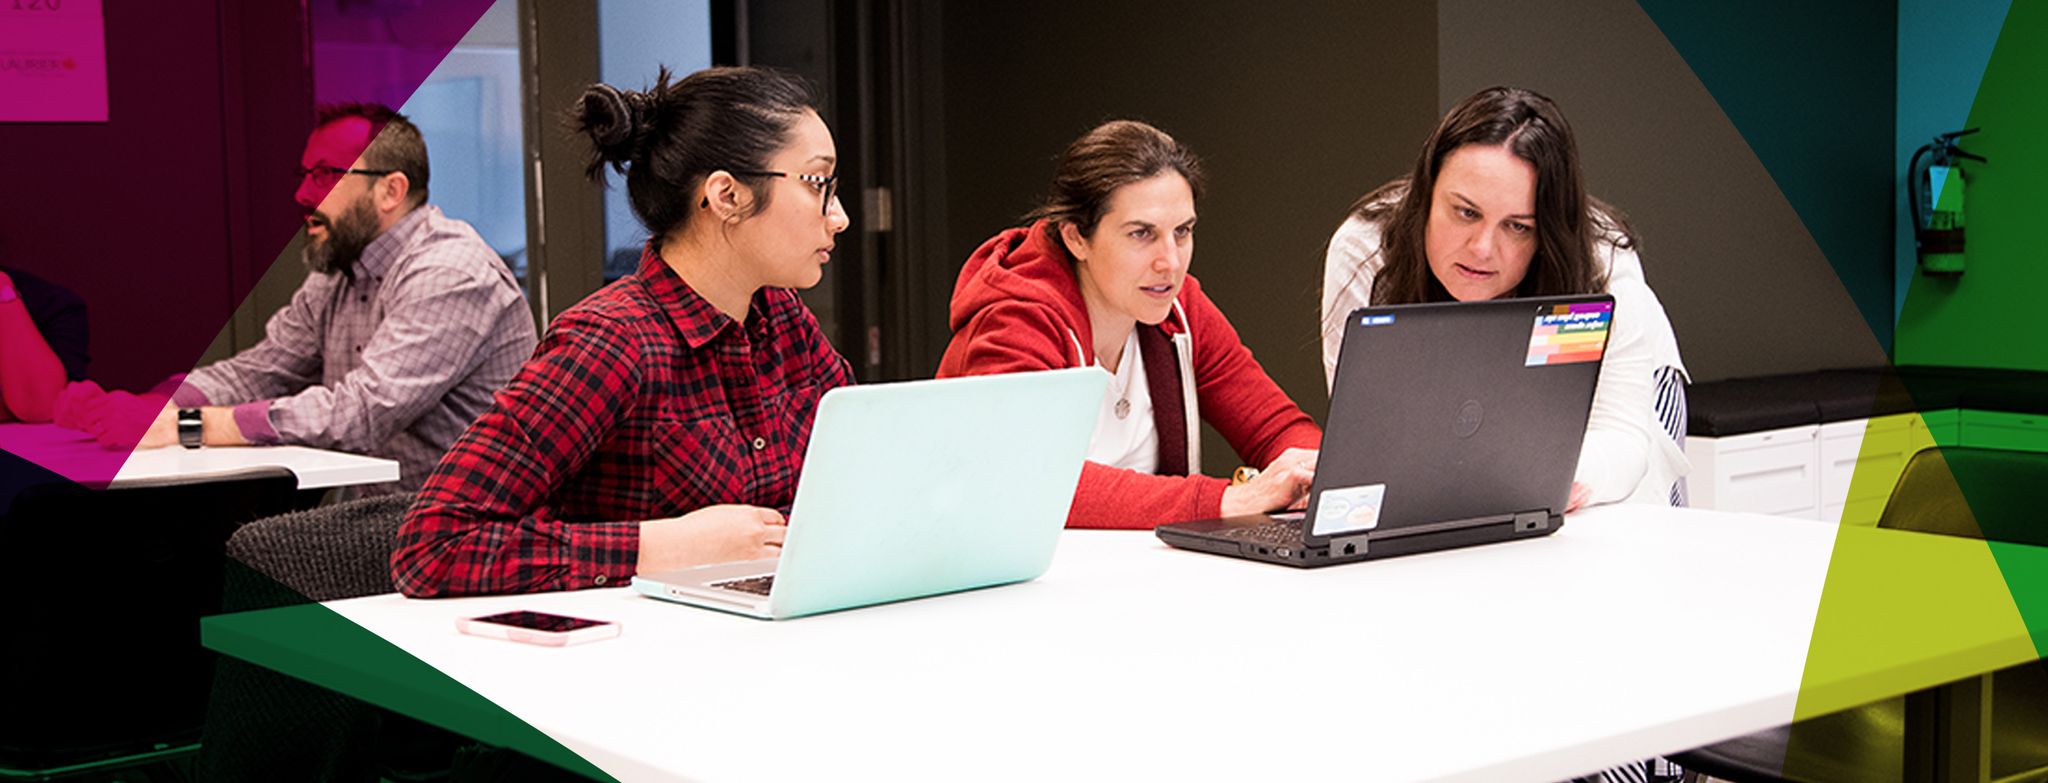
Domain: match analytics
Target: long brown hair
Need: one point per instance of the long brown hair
(1112, 155)
(1568, 221)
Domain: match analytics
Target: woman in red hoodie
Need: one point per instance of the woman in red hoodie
(1099, 277)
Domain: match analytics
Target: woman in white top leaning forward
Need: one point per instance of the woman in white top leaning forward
(1495, 207)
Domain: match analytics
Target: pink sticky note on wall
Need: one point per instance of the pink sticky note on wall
(53, 61)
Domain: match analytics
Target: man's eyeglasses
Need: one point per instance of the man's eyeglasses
(326, 176)
(828, 184)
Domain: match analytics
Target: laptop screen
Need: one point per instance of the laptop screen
(1457, 411)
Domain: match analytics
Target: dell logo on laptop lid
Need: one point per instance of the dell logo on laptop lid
(1470, 415)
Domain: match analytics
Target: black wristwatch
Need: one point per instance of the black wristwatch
(190, 429)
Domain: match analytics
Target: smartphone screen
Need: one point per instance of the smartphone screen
(540, 621)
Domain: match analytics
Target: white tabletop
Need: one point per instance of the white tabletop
(1633, 631)
(74, 455)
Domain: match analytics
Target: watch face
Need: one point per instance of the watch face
(190, 432)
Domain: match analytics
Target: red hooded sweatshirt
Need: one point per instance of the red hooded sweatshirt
(1017, 307)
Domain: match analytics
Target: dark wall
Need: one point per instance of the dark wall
(1296, 109)
(798, 36)
(1744, 272)
(164, 216)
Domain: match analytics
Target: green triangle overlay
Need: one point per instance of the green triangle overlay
(1889, 596)
(2011, 106)
(1985, 317)
(1893, 597)
(1944, 46)
(2026, 575)
(315, 644)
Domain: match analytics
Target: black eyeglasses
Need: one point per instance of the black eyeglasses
(828, 184)
(326, 176)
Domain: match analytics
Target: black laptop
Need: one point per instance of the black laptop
(1450, 425)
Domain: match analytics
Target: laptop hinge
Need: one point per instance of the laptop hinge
(1526, 521)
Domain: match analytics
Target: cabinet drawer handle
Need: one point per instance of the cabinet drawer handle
(1795, 471)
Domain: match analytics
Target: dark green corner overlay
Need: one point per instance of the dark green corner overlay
(305, 640)
(313, 643)
(1795, 78)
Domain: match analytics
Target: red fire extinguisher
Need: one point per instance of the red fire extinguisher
(1936, 194)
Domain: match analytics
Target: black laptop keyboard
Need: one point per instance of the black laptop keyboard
(758, 585)
(1278, 532)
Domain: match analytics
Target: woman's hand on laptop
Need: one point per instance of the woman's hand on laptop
(1580, 494)
(1283, 484)
(712, 534)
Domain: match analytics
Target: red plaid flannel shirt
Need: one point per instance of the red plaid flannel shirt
(642, 402)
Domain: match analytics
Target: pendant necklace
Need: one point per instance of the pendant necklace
(1123, 388)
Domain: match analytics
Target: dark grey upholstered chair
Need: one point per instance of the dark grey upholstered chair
(1974, 493)
(324, 554)
(265, 726)
(262, 725)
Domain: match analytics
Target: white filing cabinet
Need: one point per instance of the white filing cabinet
(1841, 471)
(1862, 460)
(1769, 472)
(1998, 430)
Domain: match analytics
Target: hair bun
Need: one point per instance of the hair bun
(614, 119)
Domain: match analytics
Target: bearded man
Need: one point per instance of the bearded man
(407, 326)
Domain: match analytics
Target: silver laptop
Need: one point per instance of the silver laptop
(914, 489)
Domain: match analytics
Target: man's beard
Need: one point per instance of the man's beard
(347, 236)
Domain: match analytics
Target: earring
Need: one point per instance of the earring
(706, 204)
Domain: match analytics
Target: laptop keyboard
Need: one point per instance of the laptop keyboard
(1278, 532)
(758, 585)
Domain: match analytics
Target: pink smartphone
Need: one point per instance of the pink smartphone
(547, 630)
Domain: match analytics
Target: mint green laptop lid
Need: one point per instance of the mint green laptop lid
(923, 487)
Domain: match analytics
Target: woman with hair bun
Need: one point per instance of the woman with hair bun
(1099, 276)
(663, 419)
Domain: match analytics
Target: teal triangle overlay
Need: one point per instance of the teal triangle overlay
(313, 643)
(1809, 86)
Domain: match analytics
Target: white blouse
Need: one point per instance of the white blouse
(1626, 455)
(1130, 441)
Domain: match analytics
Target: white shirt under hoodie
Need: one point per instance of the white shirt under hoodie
(1626, 455)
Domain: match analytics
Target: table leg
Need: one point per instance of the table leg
(1948, 732)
